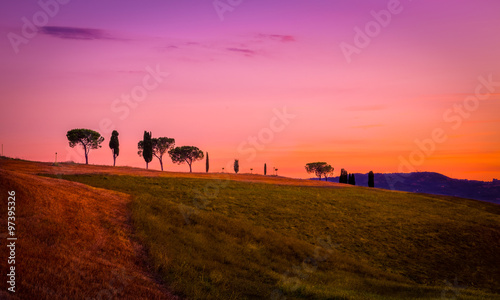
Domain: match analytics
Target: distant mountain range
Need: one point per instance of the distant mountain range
(433, 183)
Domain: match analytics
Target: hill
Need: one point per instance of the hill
(432, 183)
(221, 236)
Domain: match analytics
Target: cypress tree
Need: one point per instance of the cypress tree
(265, 169)
(352, 179)
(147, 152)
(344, 176)
(371, 179)
(207, 164)
(236, 166)
(114, 145)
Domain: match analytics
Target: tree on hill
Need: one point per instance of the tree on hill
(371, 179)
(87, 138)
(352, 180)
(207, 164)
(114, 145)
(319, 169)
(160, 146)
(236, 166)
(327, 171)
(265, 169)
(185, 154)
(146, 148)
(343, 176)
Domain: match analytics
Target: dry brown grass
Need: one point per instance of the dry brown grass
(74, 241)
(68, 169)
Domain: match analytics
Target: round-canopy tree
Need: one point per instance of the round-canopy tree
(185, 154)
(160, 146)
(319, 168)
(87, 138)
(114, 145)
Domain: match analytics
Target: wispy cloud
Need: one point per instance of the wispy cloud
(75, 33)
(247, 52)
(253, 45)
(277, 37)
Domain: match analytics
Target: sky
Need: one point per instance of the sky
(388, 86)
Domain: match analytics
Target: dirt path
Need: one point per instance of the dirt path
(74, 241)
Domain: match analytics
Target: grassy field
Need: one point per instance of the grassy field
(212, 237)
(73, 241)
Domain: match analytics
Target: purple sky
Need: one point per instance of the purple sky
(369, 110)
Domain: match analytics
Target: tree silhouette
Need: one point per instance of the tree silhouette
(352, 180)
(371, 179)
(185, 154)
(114, 145)
(327, 171)
(207, 164)
(265, 169)
(146, 148)
(319, 168)
(87, 138)
(343, 176)
(160, 146)
(236, 166)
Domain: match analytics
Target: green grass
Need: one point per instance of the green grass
(215, 239)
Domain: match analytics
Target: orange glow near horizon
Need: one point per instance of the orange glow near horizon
(231, 84)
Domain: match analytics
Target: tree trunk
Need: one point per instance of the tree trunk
(86, 154)
(190, 171)
(161, 164)
(114, 160)
(146, 165)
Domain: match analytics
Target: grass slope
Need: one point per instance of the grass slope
(74, 242)
(227, 239)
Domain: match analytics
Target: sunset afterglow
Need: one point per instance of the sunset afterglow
(417, 88)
